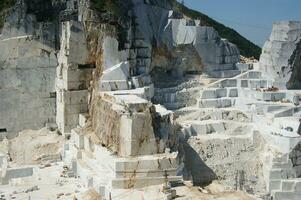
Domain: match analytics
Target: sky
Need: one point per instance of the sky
(251, 18)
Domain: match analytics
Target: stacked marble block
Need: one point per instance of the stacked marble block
(217, 97)
(127, 154)
(73, 76)
(140, 56)
(116, 78)
(251, 79)
(280, 178)
(8, 174)
(278, 50)
(223, 93)
(143, 62)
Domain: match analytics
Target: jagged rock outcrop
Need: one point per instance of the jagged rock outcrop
(278, 50)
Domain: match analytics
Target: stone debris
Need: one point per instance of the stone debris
(271, 89)
(91, 195)
(34, 147)
(34, 188)
(246, 60)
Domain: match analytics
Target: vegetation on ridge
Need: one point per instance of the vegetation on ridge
(4, 5)
(246, 47)
(115, 9)
(114, 12)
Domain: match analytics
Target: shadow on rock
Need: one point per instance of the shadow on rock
(194, 167)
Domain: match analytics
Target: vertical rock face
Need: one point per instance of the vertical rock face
(162, 28)
(74, 73)
(295, 62)
(216, 53)
(27, 72)
(277, 51)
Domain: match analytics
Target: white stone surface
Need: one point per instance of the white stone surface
(27, 74)
(115, 78)
(73, 44)
(216, 54)
(278, 50)
(111, 55)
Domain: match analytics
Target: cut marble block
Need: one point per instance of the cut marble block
(142, 182)
(244, 66)
(224, 73)
(253, 83)
(229, 83)
(141, 81)
(115, 78)
(270, 96)
(278, 195)
(74, 78)
(73, 44)
(133, 102)
(145, 171)
(13, 173)
(2, 159)
(213, 93)
(77, 138)
(205, 127)
(216, 103)
(82, 118)
(146, 166)
(69, 105)
(128, 121)
(98, 167)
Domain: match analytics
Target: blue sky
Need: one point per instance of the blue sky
(251, 18)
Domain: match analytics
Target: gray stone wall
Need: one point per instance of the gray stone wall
(27, 73)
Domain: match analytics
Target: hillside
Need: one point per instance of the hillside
(246, 47)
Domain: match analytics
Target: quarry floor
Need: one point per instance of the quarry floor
(49, 184)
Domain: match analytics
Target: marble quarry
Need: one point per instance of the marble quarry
(170, 111)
